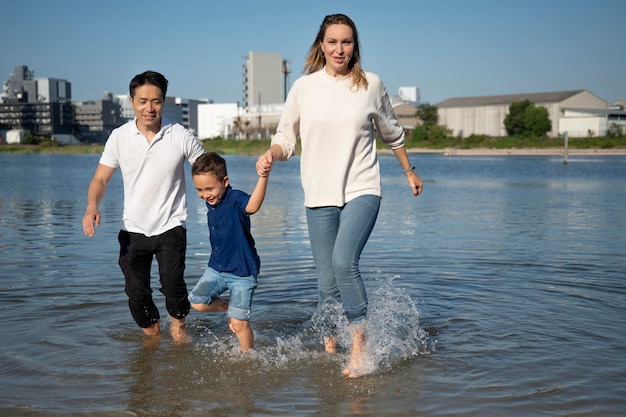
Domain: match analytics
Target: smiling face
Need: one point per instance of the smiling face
(209, 187)
(338, 47)
(148, 106)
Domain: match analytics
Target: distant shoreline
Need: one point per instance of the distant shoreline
(257, 147)
(519, 152)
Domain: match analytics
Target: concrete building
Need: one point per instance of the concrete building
(23, 87)
(580, 123)
(40, 106)
(177, 109)
(265, 84)
(405, 107)
(229, 121)
(619, 104)
(406, 113)
(485, 115)
(263, 81)
(126, 109)
(216, 120)
(96, 119)
(410, 95)
(52, 120)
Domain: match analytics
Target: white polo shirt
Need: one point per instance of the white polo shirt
(153, 175)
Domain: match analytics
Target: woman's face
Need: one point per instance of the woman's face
(338, 46)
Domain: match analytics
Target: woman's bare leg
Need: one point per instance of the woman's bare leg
(330, 344)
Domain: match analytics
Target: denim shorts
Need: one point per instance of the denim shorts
(213, 284)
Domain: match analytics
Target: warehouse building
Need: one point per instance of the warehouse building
(578, 112)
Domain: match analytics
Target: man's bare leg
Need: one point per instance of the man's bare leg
(356, 365)
(178, 330)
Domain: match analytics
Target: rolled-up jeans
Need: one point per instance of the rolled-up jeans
(338, 236)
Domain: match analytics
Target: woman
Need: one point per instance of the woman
(336, 109)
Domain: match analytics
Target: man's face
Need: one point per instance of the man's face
(148, 106)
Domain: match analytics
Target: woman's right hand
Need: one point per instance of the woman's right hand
(264, 164)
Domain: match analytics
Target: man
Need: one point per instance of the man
(150, 151)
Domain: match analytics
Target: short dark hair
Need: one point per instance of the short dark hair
(210, 163)
(148, 77)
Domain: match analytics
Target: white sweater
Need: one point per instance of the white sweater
(336, 127)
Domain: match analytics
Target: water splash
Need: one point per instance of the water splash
(393, 335)
(392, 328)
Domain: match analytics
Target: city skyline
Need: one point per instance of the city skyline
(446, 49)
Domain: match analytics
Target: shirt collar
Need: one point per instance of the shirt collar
(165, 124)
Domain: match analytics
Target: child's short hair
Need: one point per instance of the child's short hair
(210, 163)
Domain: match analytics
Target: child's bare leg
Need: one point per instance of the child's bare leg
(330, 344)
(218, 304)
(152, 330)
(243, 331)
(178, 330)
(356, 365)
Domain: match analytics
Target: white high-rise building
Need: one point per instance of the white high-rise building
(216, 120)
(262, 79)
(410, 95)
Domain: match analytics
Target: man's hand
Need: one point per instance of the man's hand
(91, 217)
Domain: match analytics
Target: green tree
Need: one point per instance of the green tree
(615, 131)
(536, 121)
(427, 114)
(514, 121)
(526, 119)
(431, 135)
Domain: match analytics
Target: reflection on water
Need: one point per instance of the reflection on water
(499, 291)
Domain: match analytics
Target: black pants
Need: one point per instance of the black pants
(136, 253)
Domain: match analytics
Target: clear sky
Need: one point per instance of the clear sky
(446, 48)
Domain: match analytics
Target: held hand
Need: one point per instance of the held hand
(92, 215)
(415, 182)
(264, 164)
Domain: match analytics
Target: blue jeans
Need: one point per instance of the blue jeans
(213, 283)
(338, 236)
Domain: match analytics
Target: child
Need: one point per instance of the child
(234, 262)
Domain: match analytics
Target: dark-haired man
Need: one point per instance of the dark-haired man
(150, 152)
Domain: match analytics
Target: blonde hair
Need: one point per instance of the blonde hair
(315, 61)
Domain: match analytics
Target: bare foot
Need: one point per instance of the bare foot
(356, 365)
(330, 344)
(152, 330)
(178, 331)
(151, 342)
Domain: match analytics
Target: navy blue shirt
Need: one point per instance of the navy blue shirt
(232, 245)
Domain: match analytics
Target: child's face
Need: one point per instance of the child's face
(210, 188)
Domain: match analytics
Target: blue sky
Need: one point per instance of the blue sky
(446, 48)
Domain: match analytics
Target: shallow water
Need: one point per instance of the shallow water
(498, 292)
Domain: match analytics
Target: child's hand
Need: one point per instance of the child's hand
(264, 164)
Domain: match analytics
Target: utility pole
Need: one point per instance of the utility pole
(286, 72)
